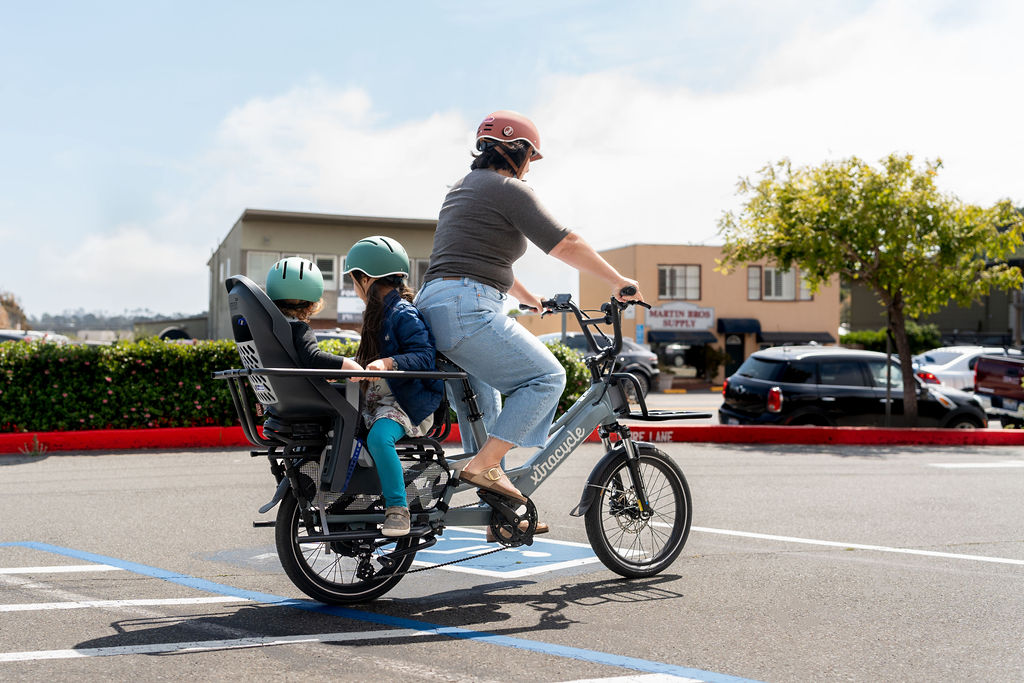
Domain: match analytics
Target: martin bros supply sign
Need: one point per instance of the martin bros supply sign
(680, 315)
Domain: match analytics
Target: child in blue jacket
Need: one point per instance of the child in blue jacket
(394, 337)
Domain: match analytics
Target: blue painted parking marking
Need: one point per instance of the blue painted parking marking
(545, 555)
(540, 647)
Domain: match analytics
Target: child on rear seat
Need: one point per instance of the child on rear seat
(394, 337)
(297, 287)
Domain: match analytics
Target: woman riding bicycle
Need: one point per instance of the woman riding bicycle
(483, 227)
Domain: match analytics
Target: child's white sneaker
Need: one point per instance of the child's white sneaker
(396, 521)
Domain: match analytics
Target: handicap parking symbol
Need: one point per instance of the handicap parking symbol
(526, 560)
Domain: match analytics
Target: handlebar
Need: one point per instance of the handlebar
(612, 311)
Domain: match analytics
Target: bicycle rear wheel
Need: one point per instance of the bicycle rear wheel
(336, 573)
(631, 541)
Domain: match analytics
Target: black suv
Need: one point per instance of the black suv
(634, 358)
(815, 385)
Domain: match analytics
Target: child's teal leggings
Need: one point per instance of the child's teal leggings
(381, 442)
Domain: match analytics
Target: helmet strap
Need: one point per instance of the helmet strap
(516, 168)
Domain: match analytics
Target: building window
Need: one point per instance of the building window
(805, 290)
(679, 282)
(419, 269)
(779, 285)
(754, 283)
(326, 266)
(348, 287)
(258, 264)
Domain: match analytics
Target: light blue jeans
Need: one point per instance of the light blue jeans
(471, 327)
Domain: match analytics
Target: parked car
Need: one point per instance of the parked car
(634, 358)
(998, 385)
(816, 385)
(953, 366)
(337, 333)
(674, 354)
(32, 335)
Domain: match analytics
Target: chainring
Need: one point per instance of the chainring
(513, 526)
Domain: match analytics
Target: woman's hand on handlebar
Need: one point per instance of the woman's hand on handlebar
(627, 290)
(530, 302)
(527, 299)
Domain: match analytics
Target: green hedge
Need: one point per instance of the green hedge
(921, 338)
(151, 383)
(51, 387)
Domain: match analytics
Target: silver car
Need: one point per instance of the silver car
(953, 366)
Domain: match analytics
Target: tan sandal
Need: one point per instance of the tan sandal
(490, 480)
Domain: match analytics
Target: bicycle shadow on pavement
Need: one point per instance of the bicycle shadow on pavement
(486, 605)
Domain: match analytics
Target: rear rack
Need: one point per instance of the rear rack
(663, 415)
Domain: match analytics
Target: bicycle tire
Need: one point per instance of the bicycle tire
(626, 542)
(331, 577)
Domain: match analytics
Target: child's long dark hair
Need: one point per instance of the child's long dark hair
(373, 316)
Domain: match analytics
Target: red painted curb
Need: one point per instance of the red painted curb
(220, 437)
(121, 439)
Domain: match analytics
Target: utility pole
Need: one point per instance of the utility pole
(1015, 308)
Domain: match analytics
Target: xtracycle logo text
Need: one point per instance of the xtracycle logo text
(541, 470)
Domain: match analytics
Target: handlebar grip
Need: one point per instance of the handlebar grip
(627, 291)
(526, 307)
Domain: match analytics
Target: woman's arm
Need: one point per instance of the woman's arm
(576, 252)
(520, 293)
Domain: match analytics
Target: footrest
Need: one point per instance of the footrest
(366, 534)
(664, 415)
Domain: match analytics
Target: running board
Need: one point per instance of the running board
(368, 535)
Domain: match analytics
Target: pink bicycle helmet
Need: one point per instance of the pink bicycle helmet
(508, 126)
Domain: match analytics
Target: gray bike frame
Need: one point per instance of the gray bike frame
(596, 407)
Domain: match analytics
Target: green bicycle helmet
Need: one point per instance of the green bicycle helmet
(377, 256)
(295, 278)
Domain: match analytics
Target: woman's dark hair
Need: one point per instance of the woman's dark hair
(373, 316)
(489, 157)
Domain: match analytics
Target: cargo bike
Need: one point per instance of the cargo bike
(635, 503)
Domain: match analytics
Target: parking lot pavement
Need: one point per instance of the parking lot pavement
(803, 563)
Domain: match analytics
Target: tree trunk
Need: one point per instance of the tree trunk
(899, 333)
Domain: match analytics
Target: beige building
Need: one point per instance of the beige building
(694, 305)
(259, 238)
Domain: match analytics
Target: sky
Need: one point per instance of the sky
(134, 134)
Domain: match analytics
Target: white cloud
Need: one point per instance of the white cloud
(626, 160)
(130, 269)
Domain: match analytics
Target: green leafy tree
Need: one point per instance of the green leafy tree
(890, 228)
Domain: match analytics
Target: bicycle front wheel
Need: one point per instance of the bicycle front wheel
(630, 540)
(336, 573)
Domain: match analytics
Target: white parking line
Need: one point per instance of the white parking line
(977, 465)
(61, 569)
(79, 604)
(858, 546)
(205, 645)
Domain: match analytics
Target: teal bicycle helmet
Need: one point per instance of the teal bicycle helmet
(377, 256)
(295, 278)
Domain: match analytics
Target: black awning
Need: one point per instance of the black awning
(681, 337)
(795, 337)
(739, 325)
